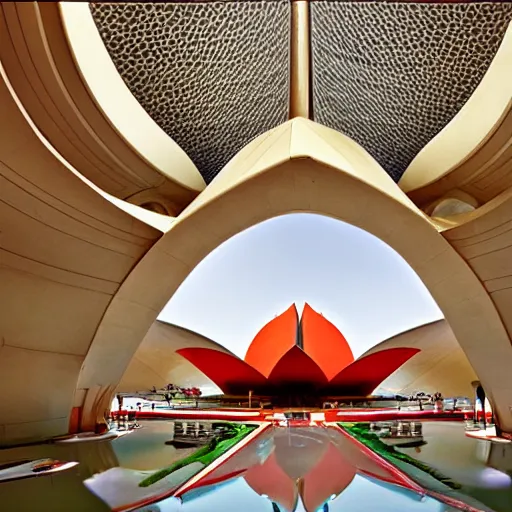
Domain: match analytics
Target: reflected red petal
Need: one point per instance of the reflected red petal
(273, 341)
(297, 367)
(365, 374)
(330, 476)
(324, 343)
(270, 479)
(240, 462)
(228, 372)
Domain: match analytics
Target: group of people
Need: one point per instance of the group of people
(436, 399)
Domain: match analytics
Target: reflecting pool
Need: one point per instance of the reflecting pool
(264, 467)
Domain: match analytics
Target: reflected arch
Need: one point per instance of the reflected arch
(300, 166)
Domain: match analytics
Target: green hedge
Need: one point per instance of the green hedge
(218, 445)
(361, 432)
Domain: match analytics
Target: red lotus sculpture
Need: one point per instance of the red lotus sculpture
(298, 354)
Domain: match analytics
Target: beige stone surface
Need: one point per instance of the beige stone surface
(473, 153)
(485, 241)
(74, 95)
(302, 166)
(64, 251)
(156, 363)
(440, 366)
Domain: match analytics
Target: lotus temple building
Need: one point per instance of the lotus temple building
(292, 358)
(136, 137)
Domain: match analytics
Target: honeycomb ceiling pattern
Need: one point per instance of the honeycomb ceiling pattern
(392, 75)
(215, 74)
(212, 75)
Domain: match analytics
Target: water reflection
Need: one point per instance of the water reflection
(308, 469)
(61, 492)
(147, 448)
(301, 465)
(482, 468)
(125, 489)
(361, 495)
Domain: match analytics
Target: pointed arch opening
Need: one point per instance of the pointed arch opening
(304, 167)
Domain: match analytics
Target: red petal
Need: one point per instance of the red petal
(324, 343)
(296, 367)
(273, 341)
(330, 476)
(365, 374)
(270, 479)
(228, 372)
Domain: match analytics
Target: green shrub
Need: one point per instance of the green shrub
(361, 432)
(218, 445)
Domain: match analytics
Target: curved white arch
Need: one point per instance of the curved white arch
(302, 166)
(441, 366)
(64, 251)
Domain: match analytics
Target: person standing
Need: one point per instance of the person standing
(438, 402)
(480, 394)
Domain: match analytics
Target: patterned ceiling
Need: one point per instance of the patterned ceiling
(392, 75)
(214, 75)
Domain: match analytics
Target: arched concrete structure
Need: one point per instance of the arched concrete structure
(440, 366)
(302, 166)
(64, 251)
(156, 363)
(68, 84)
(484, 239)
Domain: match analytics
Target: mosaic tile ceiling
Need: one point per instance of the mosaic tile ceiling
(392, 75)
(214, 75)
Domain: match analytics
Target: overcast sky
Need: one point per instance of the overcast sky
(359, 283)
